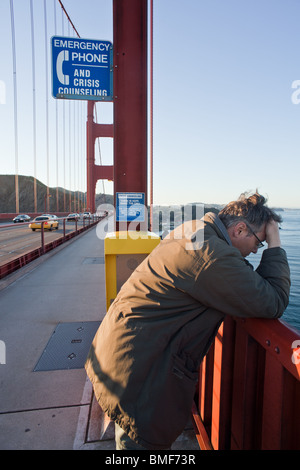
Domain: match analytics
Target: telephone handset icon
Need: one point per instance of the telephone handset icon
(62, 56)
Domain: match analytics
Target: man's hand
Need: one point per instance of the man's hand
(272, 234)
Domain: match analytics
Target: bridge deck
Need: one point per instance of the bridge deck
(54, 408)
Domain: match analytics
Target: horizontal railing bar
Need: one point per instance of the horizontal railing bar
(276, 337)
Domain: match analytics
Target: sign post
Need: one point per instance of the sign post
(130, 104)
(82, 69)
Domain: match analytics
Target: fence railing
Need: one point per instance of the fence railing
(249, 388)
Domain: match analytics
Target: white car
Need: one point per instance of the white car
(74, 216)
(87, 215)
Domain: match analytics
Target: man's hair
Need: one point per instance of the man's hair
(250, 209)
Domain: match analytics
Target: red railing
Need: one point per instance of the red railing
(249, 388)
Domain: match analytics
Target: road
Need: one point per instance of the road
(19, 239)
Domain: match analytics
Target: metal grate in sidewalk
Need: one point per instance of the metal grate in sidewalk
(68, 346)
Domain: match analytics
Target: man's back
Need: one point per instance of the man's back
(144, 359)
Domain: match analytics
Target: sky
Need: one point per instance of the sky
(226, 101)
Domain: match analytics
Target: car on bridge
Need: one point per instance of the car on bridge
(74, 216)
(52, 216)
(21, 218)
(49, 223)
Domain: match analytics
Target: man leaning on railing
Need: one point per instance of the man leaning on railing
(144, 359)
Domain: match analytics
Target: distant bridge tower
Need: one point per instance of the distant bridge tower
(95, 172)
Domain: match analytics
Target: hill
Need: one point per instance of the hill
(26, 196)
(26, 199)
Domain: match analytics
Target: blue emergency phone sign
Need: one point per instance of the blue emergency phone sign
(82, 69)
(130, 207)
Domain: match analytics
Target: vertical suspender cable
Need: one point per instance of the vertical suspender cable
(64, 12)
(83, 153)
(56, 121)
(74, 153)
(70, 154)
(70, 165)
(74, 148)
(151, 113)
(15, 104)
(47, 117)
(78, 155)
(64, 159)
(64, 125)
(33, 107)
(76, 159)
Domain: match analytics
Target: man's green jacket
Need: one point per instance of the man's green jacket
(144, 358)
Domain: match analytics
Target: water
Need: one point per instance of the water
(290, 240)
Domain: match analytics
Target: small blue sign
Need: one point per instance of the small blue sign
(82, 69)
(130, 207)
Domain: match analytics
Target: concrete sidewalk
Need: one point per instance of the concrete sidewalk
(54, 409)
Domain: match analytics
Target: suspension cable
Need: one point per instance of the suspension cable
(56, 121)
(72, 24)
(15, 104)
(47, 103)
(69, 19)
(75, 30)
(64, 126)
(151, 113)
(33, 107)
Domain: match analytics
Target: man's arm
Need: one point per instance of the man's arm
(272, 234)
(229, 285)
